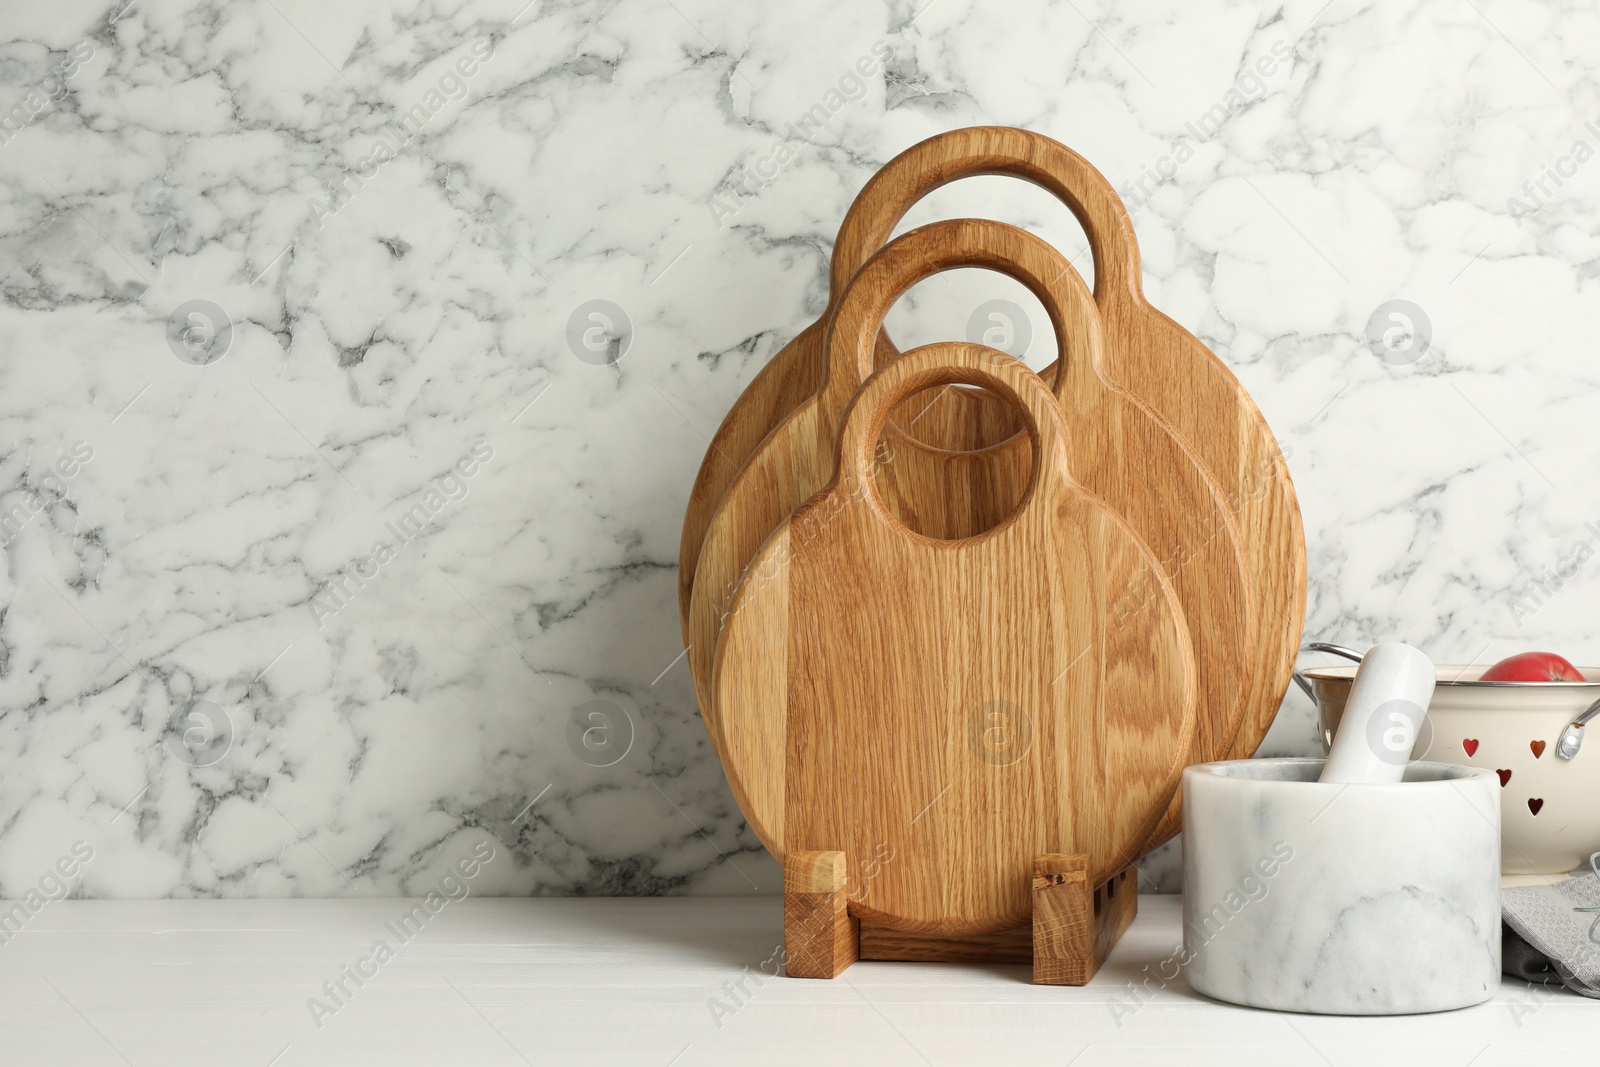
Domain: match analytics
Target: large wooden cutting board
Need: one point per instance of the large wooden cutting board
(945, 711)
(1147, 353)
(1122, 454)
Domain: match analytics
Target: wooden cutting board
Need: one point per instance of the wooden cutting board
(1123, 455)
(944, 712)
(787, 381)
(1146, 352)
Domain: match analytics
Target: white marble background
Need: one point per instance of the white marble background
(172, 152)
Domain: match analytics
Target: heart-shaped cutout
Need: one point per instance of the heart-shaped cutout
(1471, 745)
(1535, 803)
(1538, 748)
(1505, 776)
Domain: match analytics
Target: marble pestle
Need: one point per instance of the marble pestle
(1382, 716)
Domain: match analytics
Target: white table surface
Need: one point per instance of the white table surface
(562, 981)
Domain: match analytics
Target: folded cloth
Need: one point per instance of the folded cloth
(1521, 960)
(1554, 922)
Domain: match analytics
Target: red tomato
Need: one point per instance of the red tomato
(1532, 667)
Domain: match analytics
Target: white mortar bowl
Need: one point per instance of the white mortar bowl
(1341, 899)
(1549, 807)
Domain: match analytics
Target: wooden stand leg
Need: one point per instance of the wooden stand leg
(1075, 925)
(820, 938)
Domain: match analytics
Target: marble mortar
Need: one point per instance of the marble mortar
(1341, 899)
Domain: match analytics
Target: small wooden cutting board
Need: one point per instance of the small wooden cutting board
(946, 711)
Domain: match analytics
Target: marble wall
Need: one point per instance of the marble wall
(327, 525)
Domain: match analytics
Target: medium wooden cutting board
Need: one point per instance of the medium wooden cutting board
(944, 712)
(1147, 353)
(1123, 455)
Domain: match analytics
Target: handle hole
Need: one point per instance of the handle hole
(973, 304)
(1006, 199)
(950, 495)
(967, 304)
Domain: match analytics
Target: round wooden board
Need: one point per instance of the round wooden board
(942, 712)
(1125, 456)
(1146, 353)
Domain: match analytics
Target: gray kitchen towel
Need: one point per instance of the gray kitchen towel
(1548, 919)
(1521, 960)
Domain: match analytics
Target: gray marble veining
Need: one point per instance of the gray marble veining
(1342, 899)
(276, 275)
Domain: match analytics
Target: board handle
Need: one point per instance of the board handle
(1033, 157)
(954, 363)
(947, 245)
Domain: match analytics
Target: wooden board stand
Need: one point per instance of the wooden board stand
(1074, 925)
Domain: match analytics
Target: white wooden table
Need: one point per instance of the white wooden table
(650, 982)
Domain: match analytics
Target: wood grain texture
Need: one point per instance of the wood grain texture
(1005, 946)
(1122, 454)
(820, 937)
(1151, 356)
(1075, 924)
(1074, 927)
(1148, 354)
(952, 709)
(789, 379)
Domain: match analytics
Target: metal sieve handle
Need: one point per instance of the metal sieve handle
(1572, 736)
(1352, 654)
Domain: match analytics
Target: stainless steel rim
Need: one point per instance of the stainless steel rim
(1321, 646)
(1566, 748)
(1323, 674)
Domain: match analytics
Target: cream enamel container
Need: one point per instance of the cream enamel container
(1549, 807)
